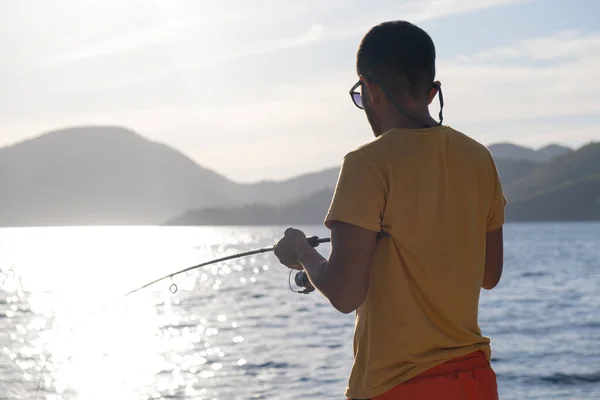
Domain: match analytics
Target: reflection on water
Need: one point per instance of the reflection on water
(235, 331)
(64, 289)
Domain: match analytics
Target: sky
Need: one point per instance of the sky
(259, 89)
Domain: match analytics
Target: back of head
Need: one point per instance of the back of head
(400, 54)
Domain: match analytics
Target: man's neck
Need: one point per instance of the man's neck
(403, 122)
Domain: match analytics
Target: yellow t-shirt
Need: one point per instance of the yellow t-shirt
(436, 192)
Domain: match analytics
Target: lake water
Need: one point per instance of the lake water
(236, 331)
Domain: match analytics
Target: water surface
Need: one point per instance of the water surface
(236, 331)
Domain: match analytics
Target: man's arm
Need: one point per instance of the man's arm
(494, 241)
(494, 259)
(344, 278)
(355, 219)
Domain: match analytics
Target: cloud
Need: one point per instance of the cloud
(490, 101)
(512, 88)
(511, 92)
(312, 34)
(566, 44)
(123, 42)
(502, 98)
(426, 10)
(344, 24)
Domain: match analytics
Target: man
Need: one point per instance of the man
(436, 195)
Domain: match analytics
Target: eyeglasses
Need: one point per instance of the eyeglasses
(356, 96)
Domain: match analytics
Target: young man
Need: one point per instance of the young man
(436, 195)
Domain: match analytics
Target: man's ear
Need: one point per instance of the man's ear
(434, 91)
(372, 90)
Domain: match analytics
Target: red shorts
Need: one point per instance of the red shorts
(464, 378)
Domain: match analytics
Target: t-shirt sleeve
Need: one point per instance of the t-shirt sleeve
(496, 215)
(360, 195)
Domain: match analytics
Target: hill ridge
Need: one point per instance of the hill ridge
(109, 174)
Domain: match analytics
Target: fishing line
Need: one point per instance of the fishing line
(301, 281)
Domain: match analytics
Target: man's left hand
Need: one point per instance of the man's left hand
(291, 247)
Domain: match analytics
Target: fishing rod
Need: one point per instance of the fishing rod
(301, 279)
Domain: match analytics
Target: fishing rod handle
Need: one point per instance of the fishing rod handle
(314, 241)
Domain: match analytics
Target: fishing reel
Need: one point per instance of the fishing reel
(301, 280)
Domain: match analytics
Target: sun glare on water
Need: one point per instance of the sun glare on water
(87, 341)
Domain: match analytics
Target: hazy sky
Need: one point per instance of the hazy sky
(259, 89)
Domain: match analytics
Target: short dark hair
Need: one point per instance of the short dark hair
(398, 49)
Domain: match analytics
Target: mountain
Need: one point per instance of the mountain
(308, 210)
(571, 201)
(567, 188)
(509, 151)
(282, 192)
(511, 170)
(105, 175)
(571, 167)
(551, 151)
(101, 175)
